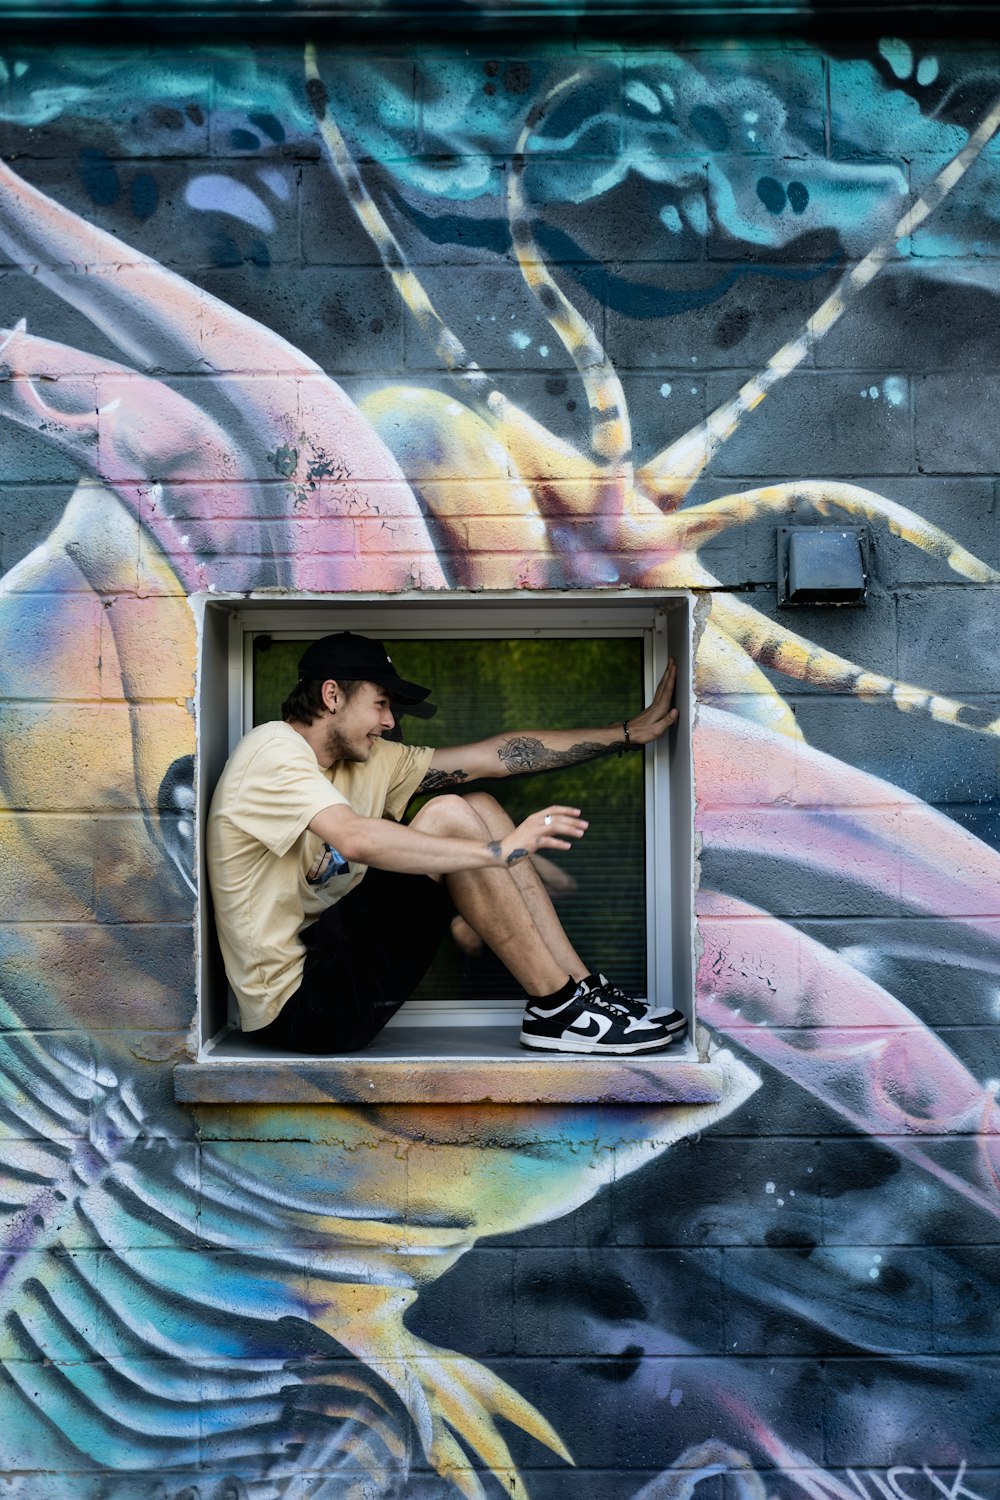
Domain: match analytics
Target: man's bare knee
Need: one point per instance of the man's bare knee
(485, 804)
(495, 819)
(449, 814)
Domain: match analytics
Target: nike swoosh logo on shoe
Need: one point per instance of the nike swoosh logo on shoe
(546, 1015)
(585, 1025)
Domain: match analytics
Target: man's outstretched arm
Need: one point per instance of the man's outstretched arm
(525, 750)
(396, 846)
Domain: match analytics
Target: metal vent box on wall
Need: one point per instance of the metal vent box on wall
(823, 564)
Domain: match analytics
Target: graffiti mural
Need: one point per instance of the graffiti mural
(299, 319)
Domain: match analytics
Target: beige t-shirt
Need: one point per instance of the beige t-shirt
(260, 850)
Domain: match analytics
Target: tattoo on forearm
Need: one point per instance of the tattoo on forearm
(524, 753)
(494, 850)
(436, 781)
(515, 855)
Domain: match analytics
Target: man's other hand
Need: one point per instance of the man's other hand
(658, 717)
(551, 828)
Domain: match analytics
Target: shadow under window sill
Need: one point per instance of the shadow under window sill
(445, 1065)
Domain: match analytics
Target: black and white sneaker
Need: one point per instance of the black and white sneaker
(673, 1021)
(589, 1021)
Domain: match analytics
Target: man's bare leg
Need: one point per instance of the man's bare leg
(553, 877)
(532, 887)
(493, 905)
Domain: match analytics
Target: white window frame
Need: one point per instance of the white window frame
(664, 620)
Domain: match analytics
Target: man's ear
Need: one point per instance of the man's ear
(331, 695)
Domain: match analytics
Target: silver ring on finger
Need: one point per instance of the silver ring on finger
(548, 820)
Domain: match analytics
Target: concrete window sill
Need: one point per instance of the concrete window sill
(445, 1065)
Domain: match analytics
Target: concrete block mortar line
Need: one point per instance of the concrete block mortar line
(915, 919)
(297, 181)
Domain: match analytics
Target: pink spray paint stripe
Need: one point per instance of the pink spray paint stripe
(150, 444)
(160, 320)
(889, 1075)
(122, 430)
(761, 793)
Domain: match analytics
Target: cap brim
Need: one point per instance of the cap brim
(423, 710)
(403, 692)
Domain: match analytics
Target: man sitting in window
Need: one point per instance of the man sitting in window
(329, 910)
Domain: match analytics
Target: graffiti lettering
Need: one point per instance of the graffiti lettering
(890, 1487)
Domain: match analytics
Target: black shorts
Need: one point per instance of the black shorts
(364, 956)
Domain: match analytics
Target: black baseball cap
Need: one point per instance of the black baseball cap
(348, 657)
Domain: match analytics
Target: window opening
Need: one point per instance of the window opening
(499, 664)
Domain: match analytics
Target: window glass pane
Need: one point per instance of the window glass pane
(483, 687)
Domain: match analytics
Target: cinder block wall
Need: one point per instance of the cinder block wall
(717, 287)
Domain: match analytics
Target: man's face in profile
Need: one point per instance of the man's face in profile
(358, 722)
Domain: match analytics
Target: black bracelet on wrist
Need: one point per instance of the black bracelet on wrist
(628, 740)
